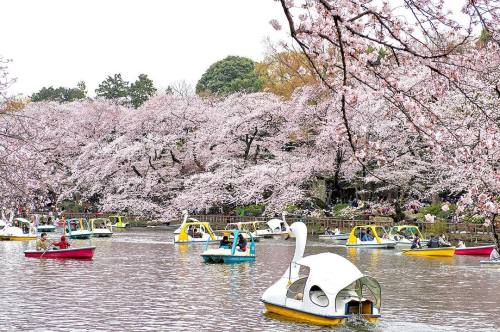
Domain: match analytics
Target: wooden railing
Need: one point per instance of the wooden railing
(466, 231)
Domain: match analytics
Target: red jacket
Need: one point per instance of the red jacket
(63, 244)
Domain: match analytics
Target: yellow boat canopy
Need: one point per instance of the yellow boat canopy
(374, 230)
(183, 235)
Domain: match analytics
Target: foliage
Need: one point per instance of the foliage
(117, 89)
(291, 208)
(254, 210)
(114, 88)
(339, 207)
(437, 228)
(283, 72)
(232, 74)
(15, 104)
(437, 210)
(141, 90)
(60, 94)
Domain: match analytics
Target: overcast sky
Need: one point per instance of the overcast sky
(60, 42)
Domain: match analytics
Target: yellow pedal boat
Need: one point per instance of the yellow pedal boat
(442, 252)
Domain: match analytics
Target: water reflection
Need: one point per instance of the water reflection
(140, 280)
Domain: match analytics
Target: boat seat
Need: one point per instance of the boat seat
(318, 297)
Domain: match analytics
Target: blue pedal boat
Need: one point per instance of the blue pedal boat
(231, 252)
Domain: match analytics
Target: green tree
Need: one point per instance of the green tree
(115, 88)
(61, 94)
(232, 74)
(141, 90)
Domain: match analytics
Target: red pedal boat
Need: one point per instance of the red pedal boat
(73, 253)
(482, 250)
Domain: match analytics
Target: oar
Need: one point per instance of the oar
(46, 250)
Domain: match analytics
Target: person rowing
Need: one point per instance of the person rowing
(42, 244)
(416, 243)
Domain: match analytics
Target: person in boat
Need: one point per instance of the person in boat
(416, 243)
(283, 227)
(242, 243)
(362, 234)
(443, 242)
(368, 236)
(190, 231)
(433, 242)
(196, 234)
(494, 256)
(328, 231)
(336, 231)
(42, 244)
(62, 244)
(460, 244)
(224, 243)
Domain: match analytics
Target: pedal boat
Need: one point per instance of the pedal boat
(279, 227)
(479, 251)
(336, 236)
(442, 252)
(20, 230)
(405, 240)
(101, 227)
(181, 234)
(490, 262)
(71, 253)
(246, 228)
(118, 221)
(78, 229)
(354, 239)
(231, 254)
(334, 290)
(45, 228)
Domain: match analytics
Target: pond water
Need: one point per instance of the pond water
(140, 280)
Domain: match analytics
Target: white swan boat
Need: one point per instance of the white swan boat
(20, 229)
(194, 231)
(279, 227)
(334, 290)
(101, 227)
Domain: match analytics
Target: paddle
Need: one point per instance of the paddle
(48, 247)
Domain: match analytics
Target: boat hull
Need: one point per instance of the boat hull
(80, 236)
(373, 245)
(49, 229)
(102, 234)
(488, 262)
(227, 259)
(196, 242)
(307, 317)
(334, 237)
(480, 251)
(441, 252)
(76, 253)
(17, 238)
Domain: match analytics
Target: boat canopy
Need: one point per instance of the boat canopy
(276, 223)
(204, 228)
(406, 228)
(330, 272)
(26, 221)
